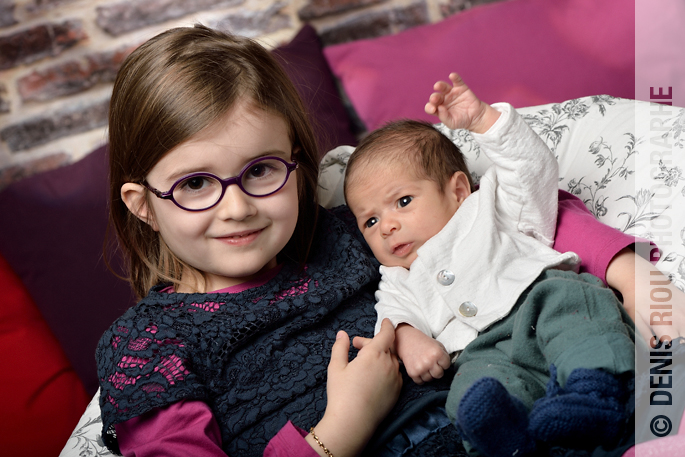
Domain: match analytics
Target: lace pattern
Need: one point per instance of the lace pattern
(258, 357)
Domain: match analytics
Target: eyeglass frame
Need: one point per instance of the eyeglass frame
(237, 179)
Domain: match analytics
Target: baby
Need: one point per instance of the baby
(470, 278)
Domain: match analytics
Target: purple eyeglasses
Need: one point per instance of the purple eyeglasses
(200, 191)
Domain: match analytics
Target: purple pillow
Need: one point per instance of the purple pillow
(307, 67)
(54, 223)
(52, 235)
(525, 52)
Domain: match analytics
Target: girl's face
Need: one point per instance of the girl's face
(240, 237)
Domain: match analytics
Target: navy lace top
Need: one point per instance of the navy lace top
(258, 358)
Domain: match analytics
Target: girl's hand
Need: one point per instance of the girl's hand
(424, 358)
(360, 392)
(458, 107)
(637, 279)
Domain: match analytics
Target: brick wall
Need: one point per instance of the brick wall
(58, 58)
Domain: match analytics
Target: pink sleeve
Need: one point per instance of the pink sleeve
(189, 428)
(180, 429)
(579, 231)
(289, 442)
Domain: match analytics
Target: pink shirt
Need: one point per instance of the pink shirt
(189, 428)
(597, 244)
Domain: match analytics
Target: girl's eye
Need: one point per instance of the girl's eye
(371, 222)
(404, 201)
(194, 184)
(259, 170)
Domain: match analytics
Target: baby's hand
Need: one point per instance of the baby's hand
(424, 358)
(458, 107)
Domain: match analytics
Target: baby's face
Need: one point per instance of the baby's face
(397, 212)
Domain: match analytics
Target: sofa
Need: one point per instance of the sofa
(60, 293)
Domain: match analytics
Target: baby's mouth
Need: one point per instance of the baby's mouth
(402, 249)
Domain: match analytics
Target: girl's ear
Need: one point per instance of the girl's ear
(135, 198)
(459, 187)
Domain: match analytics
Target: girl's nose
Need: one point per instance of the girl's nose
(236, 205)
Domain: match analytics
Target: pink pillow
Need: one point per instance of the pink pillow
(525, 52)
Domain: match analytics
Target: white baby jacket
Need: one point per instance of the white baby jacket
(472, 272)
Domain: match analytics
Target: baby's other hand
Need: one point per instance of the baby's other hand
(458, 107)
(424, 358)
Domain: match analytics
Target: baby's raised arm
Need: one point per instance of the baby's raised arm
(524, 169)
(458, 107)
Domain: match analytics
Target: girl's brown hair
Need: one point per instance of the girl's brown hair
(168, 90)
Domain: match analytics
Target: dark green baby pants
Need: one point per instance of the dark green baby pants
(567, 319)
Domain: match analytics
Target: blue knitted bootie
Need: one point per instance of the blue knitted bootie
(494, 422)
(589, 411)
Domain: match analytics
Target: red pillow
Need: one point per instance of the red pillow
(525, 52)
(43, 398)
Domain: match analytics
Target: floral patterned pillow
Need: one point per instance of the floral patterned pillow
(623, 158)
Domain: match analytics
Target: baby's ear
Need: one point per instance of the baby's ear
(459, 186)
(135, 198)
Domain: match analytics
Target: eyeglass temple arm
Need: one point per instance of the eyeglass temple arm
(158, 193)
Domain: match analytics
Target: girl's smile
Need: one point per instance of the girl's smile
(241, 239)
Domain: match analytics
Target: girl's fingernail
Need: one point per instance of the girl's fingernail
(341, 334)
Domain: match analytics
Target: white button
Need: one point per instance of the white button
(445, 277)
(468, 309)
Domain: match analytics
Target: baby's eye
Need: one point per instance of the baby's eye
(371, 222)
(404, 201)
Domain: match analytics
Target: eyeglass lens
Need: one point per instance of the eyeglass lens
(203, 191)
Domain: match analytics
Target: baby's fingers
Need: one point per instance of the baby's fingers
(434, 101)
(442, 87)
(456, 79)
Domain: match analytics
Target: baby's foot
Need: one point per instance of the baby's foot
(494, 422)
(589, 410)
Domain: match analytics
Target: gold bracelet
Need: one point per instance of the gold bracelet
(318, 441)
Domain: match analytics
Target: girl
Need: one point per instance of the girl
(245, 284)
(242, 288)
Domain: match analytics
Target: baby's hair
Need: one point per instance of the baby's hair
(168, 90)
(417, 144)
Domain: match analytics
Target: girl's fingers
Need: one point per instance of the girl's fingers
(339, 351)
(385, 338)
(359, 341)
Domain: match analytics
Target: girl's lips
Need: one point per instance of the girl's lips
(402, 249)
(242, 238)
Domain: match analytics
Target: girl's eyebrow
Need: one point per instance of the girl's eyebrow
(286, 155)
(185, 171)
